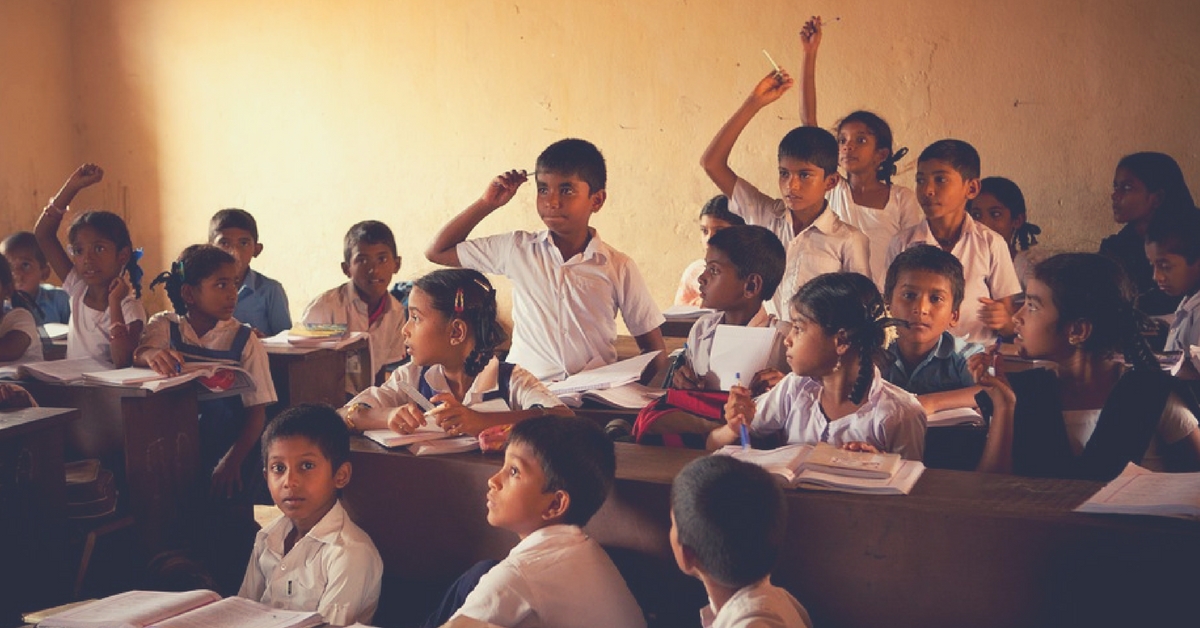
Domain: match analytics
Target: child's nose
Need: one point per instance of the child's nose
(494, 481)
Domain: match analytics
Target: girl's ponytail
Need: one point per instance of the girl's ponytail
(1026, 235)
(887, 169)
(195, 264)
(172, 280)
(135, 272)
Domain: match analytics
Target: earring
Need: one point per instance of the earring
(838, 366)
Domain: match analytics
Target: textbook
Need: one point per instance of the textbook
(631, 396)
(289, 338)
(62, 371)
(607, 376)
(216, 377)
(1139, 491)
(189, 609)
(840, 470)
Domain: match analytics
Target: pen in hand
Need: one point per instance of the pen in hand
(744, 432)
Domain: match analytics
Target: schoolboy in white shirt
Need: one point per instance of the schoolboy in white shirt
(568, 285)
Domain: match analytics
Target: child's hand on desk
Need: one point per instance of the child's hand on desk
(988, 370)
(406, 419)
(13, 397)
(165, 361)
(501, 190)
(858, 445)
(457, 419)
(764, 380)
(685, 378)
(739, 408)
(770, 89)
(226, 478)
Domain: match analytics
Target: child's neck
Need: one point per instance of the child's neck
(1086, 380)
(301, 528)
(718, 594)
(372, 302)
(836, 387)
(96, 296)
(864, 184)
(948, 229)
(742, 313)
(802, 218)
(457, 379)
(913, 353)
(201, 323)
(571, 244)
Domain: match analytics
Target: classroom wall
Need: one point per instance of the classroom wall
(316, 114)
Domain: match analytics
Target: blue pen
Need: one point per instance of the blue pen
(745, 432)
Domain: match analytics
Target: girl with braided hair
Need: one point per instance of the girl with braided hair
(1097, 412)
(834, 393)
(451, 335)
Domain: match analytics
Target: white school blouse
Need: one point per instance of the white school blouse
(524, 390)
(901, 212)
(89, 332)
(557, 577)
(987, 268)
(564, 311)
(891, 419)
(21, 319)
(828, 245)
(759, 605)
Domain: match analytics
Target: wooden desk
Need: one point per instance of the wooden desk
(965, 549)
(33, 509)
(627, 346)
(149, 441)
(311, 375)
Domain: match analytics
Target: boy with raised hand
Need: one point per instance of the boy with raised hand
(817, 241)
(728, 522)
(313, 558)
(568, 285)
(262, 303)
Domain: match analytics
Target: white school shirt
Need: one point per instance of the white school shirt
(557, 577)
(254, 357)
(828, 245)
(524, 390)
(1176, 423)
(1185, 328)
(987, 269)
(891, 419)
(700, 340)
(759, 605)
(342, 306)
(334, 570)
(21, 319)
(564, 311)
(89, 332)
(901, 212)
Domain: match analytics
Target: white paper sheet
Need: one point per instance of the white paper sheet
(740, 352)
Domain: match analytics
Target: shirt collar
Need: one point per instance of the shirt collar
(250, 283)
(485, 382)
(561, 532)
(596, 248)
(327, 530)
(360, 305)
(1190, 303)
(762, 318)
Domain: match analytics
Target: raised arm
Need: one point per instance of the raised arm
(46, 230)
(443, 249)
(715, 159)
(810, 40)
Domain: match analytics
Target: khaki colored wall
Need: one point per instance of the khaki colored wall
(316, 114)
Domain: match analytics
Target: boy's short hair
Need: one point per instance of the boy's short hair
(718, 207)
(577, 157)
(960, 155)
(929, 259)
(812, 144)
(232, 218)
(1178, 233)
(576, 457)
(368, 232)
(753, 250)
(732, 516)
(316, 422)
(23, 240)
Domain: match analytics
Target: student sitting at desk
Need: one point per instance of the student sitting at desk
(19, 338)
(1173, 248)
(30, 272)
(262, 303)
(364, 303)
(714, 216)
(314, 557)
(568, 285)
(452, 334)
(1097, 413)
(728, 524)
(557, 473)
(834, 393)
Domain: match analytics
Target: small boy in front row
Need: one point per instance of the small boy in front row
(557, 473)
(313, 558)
(728, 523)
(924, 288)
(262, 303)
(30, 272)
(364, 303)
(1173, 248)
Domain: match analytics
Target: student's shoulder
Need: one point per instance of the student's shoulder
(165, 317)
(267, 283)
(19, 316)
(894, 403)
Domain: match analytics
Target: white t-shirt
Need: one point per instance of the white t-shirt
(901, 212)
(1185, 327)
(1176, 423)
(564, 311)
(21, 319)
(89, 333)
(759, 605)
(524, 390)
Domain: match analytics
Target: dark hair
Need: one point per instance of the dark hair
(848, 302)
(732, 516)
(111, 226)
(577, 157)
(23, 240)
(1010, 196)
(718, 207)
(1092, 287)
(960, 155)
(368, 232)
(930, 259)
(812, 144)
(195, 264)
(753, 250)
(879, 129)
(466, 295)
(575, 456)
(1160, 174)
(18, 298)
(1176, 232)
(316, 422)
(232, 218)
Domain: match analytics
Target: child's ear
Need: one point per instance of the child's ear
(257, 249)
(954, 317)
(45, 272)
(972, 188)
(688, 563)
(842, 341)
(185, 292)
(558, 506)
(341, 477)
(346, 268)
(1079, 331)
(458, 331)
(598, 197)
(753, 285)
(831, 180)
(123, 256)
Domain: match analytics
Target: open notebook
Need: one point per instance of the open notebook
(189, 609)
(825, 467)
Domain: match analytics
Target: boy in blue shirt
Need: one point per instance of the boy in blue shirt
(262, 303)
(30, 272)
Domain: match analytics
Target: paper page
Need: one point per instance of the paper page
(388, 438)
(132, 608)
(830, 459)
(684, 312)
(64, 370)
(446, 446)
(607, 376)
(740, 352)
(238, 612)
(784, 461)
(954, 416)
(55, 331)
(631, 396)
(1139, 490)
(129, 376)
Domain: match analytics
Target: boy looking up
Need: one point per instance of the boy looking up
(30, 272)
(262, 303)
(313, 558)
(1173, 248)
(817, 241)
(568, 285)
(728, 522)
(947, 178)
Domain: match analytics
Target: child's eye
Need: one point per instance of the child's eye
(512, 472)
(908, 296)
(308, 465)
(277, 468)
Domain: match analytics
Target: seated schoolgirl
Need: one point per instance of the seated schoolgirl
(834, 393)
(1098, 412)
(451, 336)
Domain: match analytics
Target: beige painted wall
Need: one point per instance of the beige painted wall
(316, 114)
